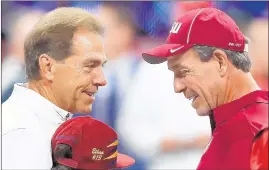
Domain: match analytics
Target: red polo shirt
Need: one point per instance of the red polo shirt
(235, 126)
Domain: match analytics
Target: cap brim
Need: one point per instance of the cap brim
(124, 161)
(160, 53)
(67, 162)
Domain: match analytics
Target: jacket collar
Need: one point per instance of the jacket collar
(39, 104)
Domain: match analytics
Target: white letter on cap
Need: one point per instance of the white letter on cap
(175, 27)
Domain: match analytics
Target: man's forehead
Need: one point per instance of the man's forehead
(89, 58)
(175, 62)
(82, 39)
(88, 39)
(89, 46)
(82, 43)
(181, 60)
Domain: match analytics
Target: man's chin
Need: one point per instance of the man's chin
(202, 112)
(85, 110)
(88, 110)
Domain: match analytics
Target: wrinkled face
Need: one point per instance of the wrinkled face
(75, 81)
(200, 81)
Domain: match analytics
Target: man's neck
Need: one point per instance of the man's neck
(239, 85)
(43, 90)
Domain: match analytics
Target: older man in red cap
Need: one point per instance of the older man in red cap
(208, 55)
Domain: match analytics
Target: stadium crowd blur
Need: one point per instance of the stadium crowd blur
(140, 106)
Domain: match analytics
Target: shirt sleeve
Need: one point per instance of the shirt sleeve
(259, 152)
(22, 149)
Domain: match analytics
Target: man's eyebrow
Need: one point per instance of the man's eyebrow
(94, 61)
(176, 66)
(89, 60)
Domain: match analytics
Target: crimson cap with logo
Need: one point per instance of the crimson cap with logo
(93, 144)
(204, 26)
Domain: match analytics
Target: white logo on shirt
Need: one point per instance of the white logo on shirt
(175, 27)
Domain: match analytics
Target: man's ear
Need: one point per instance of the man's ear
(223, 61)
(45, 65)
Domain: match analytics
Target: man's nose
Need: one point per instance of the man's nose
(179, 86)
(100, 79)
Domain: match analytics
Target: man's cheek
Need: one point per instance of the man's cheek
(195, 85)
(190, 82)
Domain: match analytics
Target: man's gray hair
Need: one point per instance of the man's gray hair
(239, 60)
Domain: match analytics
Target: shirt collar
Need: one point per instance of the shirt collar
(39, 101)
(225, 112)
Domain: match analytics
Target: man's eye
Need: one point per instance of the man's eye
(88, 68)
(182, 74)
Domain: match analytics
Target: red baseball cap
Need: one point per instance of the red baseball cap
(203, 26)
(93, 143)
